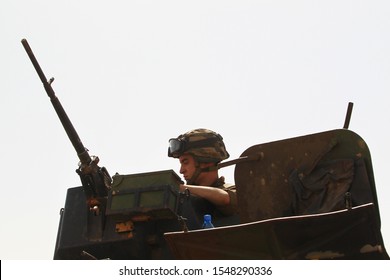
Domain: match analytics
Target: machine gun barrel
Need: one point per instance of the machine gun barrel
(82, 152)
(96, 180)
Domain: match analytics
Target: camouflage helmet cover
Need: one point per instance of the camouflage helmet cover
(204, 144)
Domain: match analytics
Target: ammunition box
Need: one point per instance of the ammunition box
(145, 196)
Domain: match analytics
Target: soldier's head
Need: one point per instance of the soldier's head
(199, 151)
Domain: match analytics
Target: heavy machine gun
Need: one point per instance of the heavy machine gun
(95, 180)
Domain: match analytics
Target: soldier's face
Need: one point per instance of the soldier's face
(187, 166)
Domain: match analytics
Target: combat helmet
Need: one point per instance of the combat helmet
(203, 144)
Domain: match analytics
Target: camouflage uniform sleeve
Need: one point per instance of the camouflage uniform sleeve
(230, 209)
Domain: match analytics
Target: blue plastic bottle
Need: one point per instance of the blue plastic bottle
(207, 221)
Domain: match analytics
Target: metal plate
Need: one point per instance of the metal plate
(345, 234)
(264, 189)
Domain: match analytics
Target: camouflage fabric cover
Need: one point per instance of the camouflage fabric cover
(214, 151)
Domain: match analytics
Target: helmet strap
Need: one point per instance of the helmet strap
(195, 176)
(199, 170)
(210, 168)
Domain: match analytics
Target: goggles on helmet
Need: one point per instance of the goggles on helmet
(177, 146)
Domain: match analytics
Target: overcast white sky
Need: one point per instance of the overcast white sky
(132, 74)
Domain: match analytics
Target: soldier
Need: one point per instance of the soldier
(199, 151)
